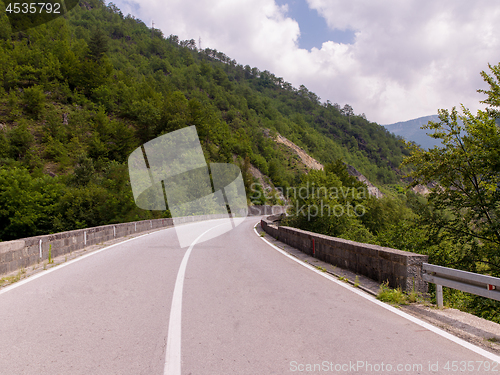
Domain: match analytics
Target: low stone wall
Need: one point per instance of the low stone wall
(401, 268)
(28, 251)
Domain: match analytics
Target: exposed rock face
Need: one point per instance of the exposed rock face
(306, 159)
(65, 118)
(421, 189)
(312, 163)
(372, 189)
(266, 186)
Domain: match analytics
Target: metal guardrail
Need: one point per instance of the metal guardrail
(474, 283)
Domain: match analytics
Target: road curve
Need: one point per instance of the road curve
(246, 309)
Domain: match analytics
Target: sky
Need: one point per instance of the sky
(393, 60)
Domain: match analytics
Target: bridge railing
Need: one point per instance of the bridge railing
(474, 283)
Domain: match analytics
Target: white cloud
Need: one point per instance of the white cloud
(416, 56)
(409, 57)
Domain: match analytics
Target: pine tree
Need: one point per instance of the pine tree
(97, 45)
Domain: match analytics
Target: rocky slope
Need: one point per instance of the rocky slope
(312, 163)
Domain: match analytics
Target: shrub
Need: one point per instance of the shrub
(34, 101)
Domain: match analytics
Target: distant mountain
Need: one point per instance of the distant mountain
(411, 131)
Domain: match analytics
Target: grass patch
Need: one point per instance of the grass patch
(51, 260)
(356, 281)
(12, 279)
(395, 296)
(413, 297)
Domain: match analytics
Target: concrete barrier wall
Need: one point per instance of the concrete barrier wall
(401, 268)
(28, 251)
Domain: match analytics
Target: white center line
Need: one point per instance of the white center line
(173, 351)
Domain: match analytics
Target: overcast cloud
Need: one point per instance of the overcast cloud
(408, 57)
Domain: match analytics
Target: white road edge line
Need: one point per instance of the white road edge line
(369, 297)
(173, 350)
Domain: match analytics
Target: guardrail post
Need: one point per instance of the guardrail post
(439, 296)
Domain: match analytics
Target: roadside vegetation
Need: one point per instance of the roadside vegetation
(7, 280)
(457, 225)
(396, 296)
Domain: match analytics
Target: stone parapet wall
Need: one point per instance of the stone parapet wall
(28, 251)
(400, 268)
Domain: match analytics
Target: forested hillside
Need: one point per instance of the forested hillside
(79, 93)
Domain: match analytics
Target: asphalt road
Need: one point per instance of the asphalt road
(243, 308)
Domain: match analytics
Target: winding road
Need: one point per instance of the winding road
(233, 304)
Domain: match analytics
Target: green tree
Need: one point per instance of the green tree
(34, 101)
(321, 204)
(93, 74)
(84, 171)
(27, 204)
(4, 144)
(493, 93)
(20, 139)
(97, 45)
(338, 168)
(466, 172)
